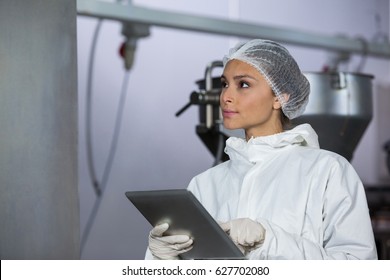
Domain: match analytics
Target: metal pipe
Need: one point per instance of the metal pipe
(131, 13)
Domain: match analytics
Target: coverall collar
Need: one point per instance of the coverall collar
(302, 135)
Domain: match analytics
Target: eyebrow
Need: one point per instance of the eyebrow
(239, 77)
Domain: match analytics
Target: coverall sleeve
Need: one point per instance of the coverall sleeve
(346, 225)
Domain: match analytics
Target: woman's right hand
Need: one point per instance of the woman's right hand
(168, 247)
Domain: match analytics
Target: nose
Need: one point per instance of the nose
(225, 97)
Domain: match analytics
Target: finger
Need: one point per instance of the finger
(254, 239)
(185, 250)
(159, 229)
(174, 239)
(234, 238)
(182, 246)
(241, 239)
(172, 250)
(251, 244)
(246, 243)
(225, 226)
(249, 240)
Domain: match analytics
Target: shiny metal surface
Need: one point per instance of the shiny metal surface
(339, 109)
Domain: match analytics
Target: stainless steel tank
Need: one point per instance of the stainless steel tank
(339, 109)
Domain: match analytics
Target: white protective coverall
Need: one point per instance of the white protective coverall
(311, 202)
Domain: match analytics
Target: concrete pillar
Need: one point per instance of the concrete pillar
(39, 209)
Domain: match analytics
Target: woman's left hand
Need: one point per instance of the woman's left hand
(245, 233)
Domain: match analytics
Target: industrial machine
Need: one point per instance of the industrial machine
(339, 109)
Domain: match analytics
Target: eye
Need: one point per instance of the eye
(224, 84)
(244, 84)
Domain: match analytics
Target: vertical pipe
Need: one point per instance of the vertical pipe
(39, 210)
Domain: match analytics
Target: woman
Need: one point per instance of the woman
(279, 196)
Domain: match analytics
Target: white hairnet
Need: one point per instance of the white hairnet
(279, 68)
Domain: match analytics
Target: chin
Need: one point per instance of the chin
(230, 126)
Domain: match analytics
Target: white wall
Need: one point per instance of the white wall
(158, 150)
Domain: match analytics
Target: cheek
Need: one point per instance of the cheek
(261, 107)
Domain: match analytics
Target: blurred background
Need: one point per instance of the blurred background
(132, 79)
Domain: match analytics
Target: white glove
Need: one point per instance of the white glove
(245, 233)
(168, 247)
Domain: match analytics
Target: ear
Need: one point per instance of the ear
(278, 101)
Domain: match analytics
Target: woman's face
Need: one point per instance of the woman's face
(247, 101)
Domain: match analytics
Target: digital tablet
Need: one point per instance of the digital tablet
(186, 215)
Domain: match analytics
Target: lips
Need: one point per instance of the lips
(228, 113)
